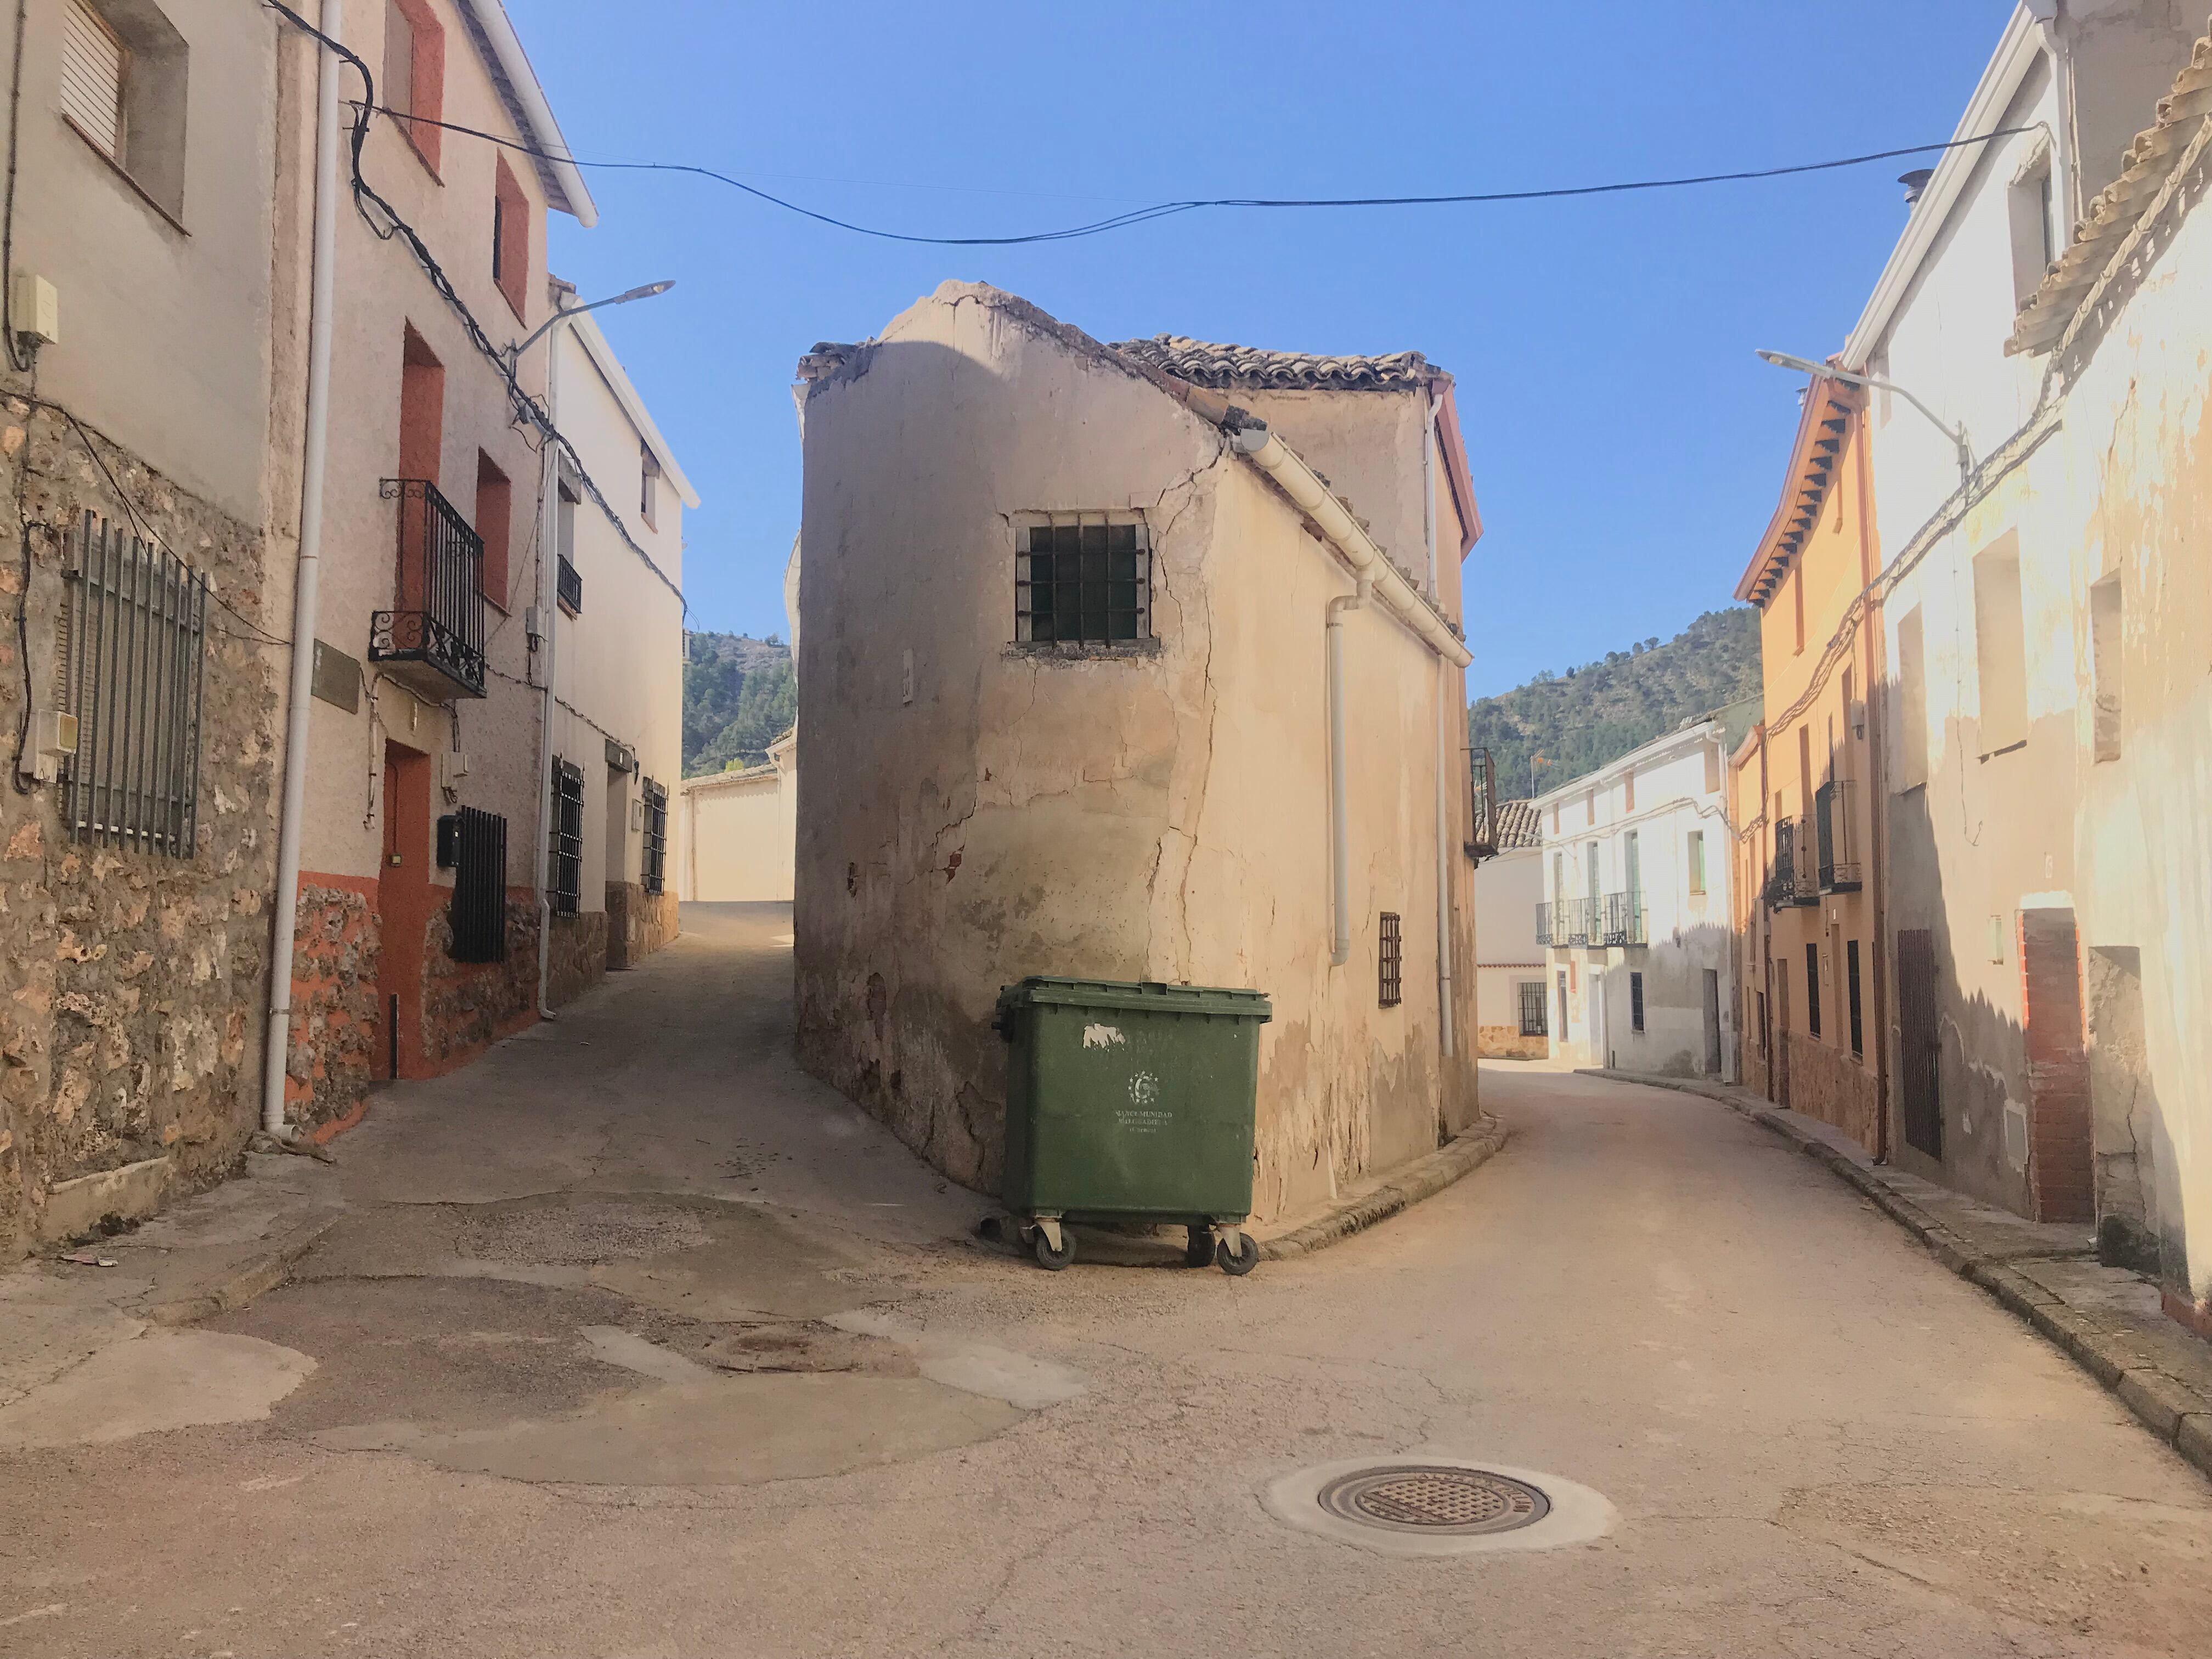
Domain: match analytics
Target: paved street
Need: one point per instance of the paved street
(633, 1341)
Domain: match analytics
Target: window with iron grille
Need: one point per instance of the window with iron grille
(133, 651)
(1636, 1002)
(1851, 971)
(1391, 962)
(1532, 1007)
(655, 872)
(565, 874)
(478, 912)
(1813, 989)
(1083, 578)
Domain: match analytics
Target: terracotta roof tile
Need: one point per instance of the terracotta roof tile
(1519, 824)
(2152, 159)
(1201, 362)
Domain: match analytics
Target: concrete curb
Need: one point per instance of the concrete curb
(1424, 1178)
(2171, 1409)
(264, 1270)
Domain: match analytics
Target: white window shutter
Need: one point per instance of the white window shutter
(92, 78)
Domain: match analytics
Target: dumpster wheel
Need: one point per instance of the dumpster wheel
(1052, 1244)
(1240, 1259)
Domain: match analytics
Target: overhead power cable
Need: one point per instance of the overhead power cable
(1168, 209)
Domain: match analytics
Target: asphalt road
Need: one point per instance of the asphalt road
(636, 1342)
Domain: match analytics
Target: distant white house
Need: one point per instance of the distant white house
(737, 832)
(1512, 1000)
(1634, 913)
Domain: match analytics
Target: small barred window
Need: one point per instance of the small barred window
(1391, 961)
(1083, 578)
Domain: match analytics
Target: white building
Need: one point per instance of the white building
(736, 834)
(1634, 913)
(617, 662)
(1512, 1003)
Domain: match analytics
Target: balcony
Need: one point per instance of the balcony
(433, 641)
(1621, 920)
(1569, 922)
(1833, 812)
(1482, 821)
(1790, 880)
(569, 588)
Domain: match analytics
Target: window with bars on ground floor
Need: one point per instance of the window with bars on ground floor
(1390, 961)
(1083, 578)
(132, 668)
(1531, 992)
(654, 872)
(564, 879)
(1636, 1002)
(478, 912)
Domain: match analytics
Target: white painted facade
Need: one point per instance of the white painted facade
(1507, 891)
(736, 834)
(1646, 842)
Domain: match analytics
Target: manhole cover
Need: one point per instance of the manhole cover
(1435, 1498)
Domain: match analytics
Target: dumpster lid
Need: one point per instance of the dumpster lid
(1147, 996)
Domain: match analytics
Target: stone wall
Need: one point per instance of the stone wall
(638, 923)
(132, 992)
(335, 1021)
(577, 958)
(1826, 1083)
(1506, 1043)
(468, 1005)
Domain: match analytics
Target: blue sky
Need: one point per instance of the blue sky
(1623, 441)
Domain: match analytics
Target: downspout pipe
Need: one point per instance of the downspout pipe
(314, 467)
(1444, 676)
(2049, 15)
(1339, 837)
(548, 553)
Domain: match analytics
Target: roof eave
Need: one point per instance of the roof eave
(1819, 395)
(527, 102)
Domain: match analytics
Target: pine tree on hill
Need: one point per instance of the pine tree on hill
(1572, 724)
(739, 697)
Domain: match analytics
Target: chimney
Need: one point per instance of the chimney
(1916, 183)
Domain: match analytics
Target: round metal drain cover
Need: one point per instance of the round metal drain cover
(1435, 1499)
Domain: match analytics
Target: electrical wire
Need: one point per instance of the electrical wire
(1168, 209)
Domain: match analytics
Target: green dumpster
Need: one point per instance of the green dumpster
(1132, 1102)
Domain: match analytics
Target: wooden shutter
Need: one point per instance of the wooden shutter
(92, 78)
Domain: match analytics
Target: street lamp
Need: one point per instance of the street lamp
(650, 290)
(1957, 435)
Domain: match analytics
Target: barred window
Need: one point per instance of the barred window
(565, 878)
(131, 673)
(1390, 960)
(1636, 1002)
(655, 873)
(1083, 578)
(478, 913)
(1532, 1007)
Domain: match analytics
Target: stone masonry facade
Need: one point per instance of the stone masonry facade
(1826, 1083)
(638, 923)
(132, 989)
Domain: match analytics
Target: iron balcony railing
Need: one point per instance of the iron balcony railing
(1790, 880)
(1569, 922)
(433, 639)
(1482, 824)
(1621, 920)
(569, 588)
(1832, 806)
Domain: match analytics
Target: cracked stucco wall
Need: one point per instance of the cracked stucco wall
(1158, 814)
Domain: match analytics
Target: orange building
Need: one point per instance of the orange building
(1803, 785)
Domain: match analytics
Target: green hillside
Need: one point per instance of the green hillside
(1590, 716)
(739, 697)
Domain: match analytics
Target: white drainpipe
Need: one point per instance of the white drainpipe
(1444, 747)
(2048, 13)
(322, 298)
(1339, 840)
(549, 607)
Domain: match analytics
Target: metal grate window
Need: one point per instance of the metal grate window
(1532, 1007)
(131, 674)
(1083, 578)
(656, 873)
(1858, 1027)
(565, 857)
(478, 914)
(1813, 989)
(1636, 1002)
(569, 584)
(1390, 960)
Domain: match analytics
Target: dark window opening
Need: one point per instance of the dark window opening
(1532, 1008)
(1390, 960)
(648, 486)
(655, 868)
(565, 857)
(478, 913)
(1083, 582)
(1851, 975)
(1813, 989)
(1636, 1002)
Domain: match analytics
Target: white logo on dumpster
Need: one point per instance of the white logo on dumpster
(1141, 1117)
(1144, 1088)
